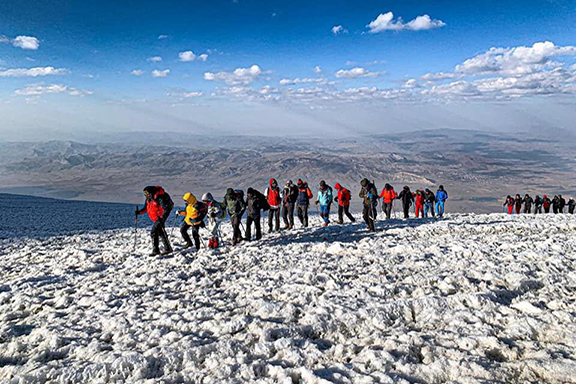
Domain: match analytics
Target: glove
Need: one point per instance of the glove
(335, 199)
(316, 202)
(370, 195)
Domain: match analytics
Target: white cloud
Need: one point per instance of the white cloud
(33, 72)
(203, 57)
(240, 76)
(157, 73)
(355, 73)
(317, 69)
(303, 81)
(186, 56)
(40, 89)
(411, 83)
(26, 42)
(154, 59)
(338, 29)
(137, 72)
(162, 37)
(192, 94)
(386, 22)
(436, 76)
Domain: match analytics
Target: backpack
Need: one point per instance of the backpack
(240, 193)
(222, 208)
(264, 202)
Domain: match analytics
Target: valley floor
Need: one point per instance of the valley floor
(470, 298)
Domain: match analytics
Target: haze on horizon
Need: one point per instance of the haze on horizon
(73, 70)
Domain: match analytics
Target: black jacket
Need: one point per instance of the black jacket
(406, 196)
(528, 201)
(255, 202)
(429, 197)
(290, 194)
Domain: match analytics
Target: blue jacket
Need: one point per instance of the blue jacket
(304, 195)
(441, 195)
(325, 197)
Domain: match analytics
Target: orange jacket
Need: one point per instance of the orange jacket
(388, 195)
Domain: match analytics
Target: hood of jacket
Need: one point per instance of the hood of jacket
(190, 198)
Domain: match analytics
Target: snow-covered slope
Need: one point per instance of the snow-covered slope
(471, 298)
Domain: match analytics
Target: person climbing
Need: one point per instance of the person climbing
(429, 200)
(303, 201)
(369, 196)
(571, 205)
(561, 204)
(537, 205)
(216, 213)
(158, 205)
(546, 204)
(441, 197)
(387, 195)
(236, 206)
(194, 213)
(343, 200)
(407, 199)
(289, 198)
(555, 204)
(419, 202)
(256, 202)
(272, 194)
(509, 203)
(518, 203)
(324, 198)
(528, 201)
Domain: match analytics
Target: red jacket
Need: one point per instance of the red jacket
(419, 198)
(388, 195)
(343, 196)
(273, 195)
(158, 205)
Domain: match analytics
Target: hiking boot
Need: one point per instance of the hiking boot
(166, 252)
(187, 245)
(325, 224)
(211, 243)
(215, 243)
(286, 226)
(155, 252)
(340, 222)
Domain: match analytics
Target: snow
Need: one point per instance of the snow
(468, 299)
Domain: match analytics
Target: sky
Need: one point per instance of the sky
(70, 69)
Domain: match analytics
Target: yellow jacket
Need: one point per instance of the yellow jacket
(193, 215)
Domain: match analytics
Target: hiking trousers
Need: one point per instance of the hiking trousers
(345, 210)
(195, 234)
(325, 213)
(419, 210)
(302, 212)
(429, 207)
(159, 232)
(538, 209)
(258, 229)
(367, 214)
(274, 218)
(288, 214)
(406, 208)
(440, 208)
(237, 234)
(387, 209)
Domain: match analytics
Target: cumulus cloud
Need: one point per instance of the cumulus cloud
(137, 72)
(155, 59)
(240, 76)
(158, 73)
(186, 56)
(386, 22)
(317, 69)
(203, 57)
(303, 81)
(26, 42)
(356, 72)
(338, 29)
(40, 89)
(192, 94)
(33, 72)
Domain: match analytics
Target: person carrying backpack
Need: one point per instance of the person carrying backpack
(555, 204)
(419, 203)
(289, 198)
(509, 203)
(158, 205)
(528, 201)
(325, 200)
(236, 206)
(429, 200)
(571, 206)
(216, 213)
(407, 200)
(518, 204)
(272, 194)
(387, 195)
(194, 218)
(256, 202)
(561, 204)
(546, 203)
(441, 197)
(369, 196)
(537, 205)
(343, 199)
(303, 201)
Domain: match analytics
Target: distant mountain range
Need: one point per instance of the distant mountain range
(477, 168)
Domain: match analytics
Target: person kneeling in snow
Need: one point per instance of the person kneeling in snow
(195, 212)
(325, 201)
(216, 213)
(158, 205)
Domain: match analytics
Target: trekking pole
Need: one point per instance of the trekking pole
(173, 226)
(135, 230)
(394, 209)
(318, 212)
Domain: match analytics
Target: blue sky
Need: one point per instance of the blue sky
(88, 65)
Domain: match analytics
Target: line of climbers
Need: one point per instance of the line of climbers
(558, 203)
(277, 202)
